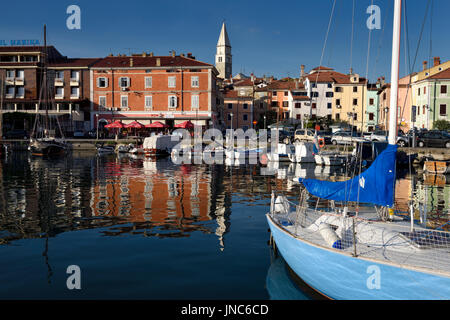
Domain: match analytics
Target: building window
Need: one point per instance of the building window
(371, 116)
(20, 92)
(194, 82)
(10, 74)
(59, 75)
(298, 117)
(102, 102)
(124, 82)
(314, 85)
(74, 75)
(172, 101)
(314, 105)
(219, 59)
(172, 82)
(329, 85)
(355, 116)
(355, 89)
(285, 93)
(102, 82)
(230, 106)
(315, 94)
(285, 104)
(59, 94)
(229, 117)
(124, 101)
(148, 102)
(74, 92)
(371, 102)
(245, 105)
(338, 102)
(355, 102)
(329, 105)
(384, 96)
(338, 116)
(245, 117)
(423, 109)
(194, 101)
(329, 94)
(148, 82)
(418, 91)
(424, 90)
(443, 89)
(20, 74)
(338, 89)
(298, 105)
(443, 110)
(274, 104)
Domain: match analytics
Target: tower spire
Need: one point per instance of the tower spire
(223, 54)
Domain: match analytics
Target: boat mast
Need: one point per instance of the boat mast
(45, 83)
(395, 72)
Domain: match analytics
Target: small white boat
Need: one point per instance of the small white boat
(330, 159)
(281, 153)
(303, 153)
(122, 148)
(105, 149)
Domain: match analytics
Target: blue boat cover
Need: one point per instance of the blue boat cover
(375, 185)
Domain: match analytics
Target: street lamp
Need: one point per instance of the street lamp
(264, 122)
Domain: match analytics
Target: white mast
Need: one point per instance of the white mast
(394, 72)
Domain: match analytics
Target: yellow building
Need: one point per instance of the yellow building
(350, 93)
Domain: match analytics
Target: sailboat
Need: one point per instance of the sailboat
(43, 141)
(363, 252)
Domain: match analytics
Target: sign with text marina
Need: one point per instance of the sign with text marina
(19, 42)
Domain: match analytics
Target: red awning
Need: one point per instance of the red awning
(185, 125)
(134, 124)
(115, 124)
(156, 124)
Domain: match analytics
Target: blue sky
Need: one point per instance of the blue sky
(267, 37)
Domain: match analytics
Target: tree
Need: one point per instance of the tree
(443, 125)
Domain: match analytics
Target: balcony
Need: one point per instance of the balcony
(59, 82)
(19, 81)
(74, 82)
(9, 81)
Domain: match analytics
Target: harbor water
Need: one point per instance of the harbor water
(144, 229)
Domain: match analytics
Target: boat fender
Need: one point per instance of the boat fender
(281, 205)
(321, 142)
(330, 236)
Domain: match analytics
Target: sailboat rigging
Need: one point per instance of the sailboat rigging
(362, 252)
(43, 140)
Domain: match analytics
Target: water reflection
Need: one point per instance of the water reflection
(132, 197)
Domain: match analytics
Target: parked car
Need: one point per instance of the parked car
(437, 139)
(308, 135)
(16, 134)
(382, 136)
(346, 137)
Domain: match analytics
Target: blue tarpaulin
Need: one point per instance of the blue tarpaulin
(375, 185)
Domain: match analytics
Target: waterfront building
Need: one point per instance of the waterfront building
(321, 80)
(21, 67)
(146, 88)
(238, 109)
(431, 96)
(404, 104)
(72, 85)
(224, 62)
(371, 108)
(350, 92)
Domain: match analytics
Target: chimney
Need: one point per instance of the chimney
(189, 54)
(425, 63)
(437, 61)
(131, 62)
(173, 53)
(252, 77)
(151, 54)
(302, 71)
(181, 54)
(351, 70)
(144, 54)
(158, 62)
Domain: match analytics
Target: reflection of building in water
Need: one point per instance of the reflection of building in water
(434, 192)
(162, 194)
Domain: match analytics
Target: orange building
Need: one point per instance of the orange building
(147, 88)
